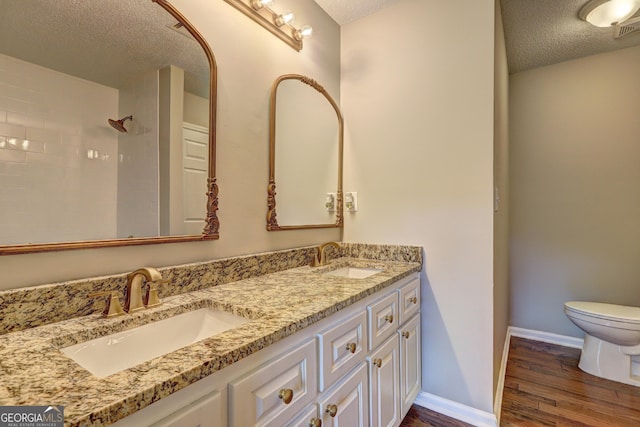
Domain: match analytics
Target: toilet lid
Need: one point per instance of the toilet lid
(621, 313)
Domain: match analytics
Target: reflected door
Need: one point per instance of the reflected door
(195, 149)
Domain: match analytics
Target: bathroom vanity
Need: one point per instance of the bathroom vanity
(357, 367)
(319, 345)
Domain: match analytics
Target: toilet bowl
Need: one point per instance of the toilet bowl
(611, 347)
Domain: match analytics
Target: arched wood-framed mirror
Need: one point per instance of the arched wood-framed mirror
(305, 156)
(62, 76)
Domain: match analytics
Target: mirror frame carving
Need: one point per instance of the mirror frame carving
(212, 224)
(272, 221)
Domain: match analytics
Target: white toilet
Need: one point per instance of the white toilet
(611, 347)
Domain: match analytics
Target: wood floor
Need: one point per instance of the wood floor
(422, 417)
(544, 387)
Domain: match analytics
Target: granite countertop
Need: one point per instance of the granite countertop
(33, 371)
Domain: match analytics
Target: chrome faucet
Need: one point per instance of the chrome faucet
(321, 258)
(134, 301)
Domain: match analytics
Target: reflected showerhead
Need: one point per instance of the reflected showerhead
(119, 124)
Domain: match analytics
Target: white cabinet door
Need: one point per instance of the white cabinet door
(383, 319)
(384, 372)
(342, 347)
(276, 391)
(347, 404)
(410, 363)
(209, 411)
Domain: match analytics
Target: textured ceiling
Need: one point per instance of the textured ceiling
(104, 41)
(545, 32)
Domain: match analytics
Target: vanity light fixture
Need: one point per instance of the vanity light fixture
(279, 24)
(606, 13)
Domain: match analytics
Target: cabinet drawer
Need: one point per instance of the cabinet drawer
(276, 390)
(206, 412)
(383, 319)
(409, 299)
(341, 348)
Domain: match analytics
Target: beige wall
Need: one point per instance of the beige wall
(575, 203)
(417, 96)
(501, 208)
(249, 59)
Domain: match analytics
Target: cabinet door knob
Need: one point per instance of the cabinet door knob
(406, 334)
(351, 347)
(414, 300)
(315, 422)
(286, 394)
(377, 362)
(332, 410)
(389, 318)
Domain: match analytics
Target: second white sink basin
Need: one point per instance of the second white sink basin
(123, 350)
(354, 272)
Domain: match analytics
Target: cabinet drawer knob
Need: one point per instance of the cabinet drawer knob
(406, 334)
(377, 362)
(351, 347)
(332, 410)
(286, 394)
(315, 422)
(414, 300)
(389, 318)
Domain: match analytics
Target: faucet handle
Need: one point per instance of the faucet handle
(152, 299)
(112, 307)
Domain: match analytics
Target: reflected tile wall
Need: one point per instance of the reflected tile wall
(138, 168)
(57, 156)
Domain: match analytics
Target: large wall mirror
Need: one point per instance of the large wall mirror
(305, 156)
(107, 126)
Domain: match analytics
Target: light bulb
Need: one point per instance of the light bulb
(304, 32)
(259, 4)
(286, 18)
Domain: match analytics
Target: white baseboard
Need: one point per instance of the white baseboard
(531, 334)
(456, 410)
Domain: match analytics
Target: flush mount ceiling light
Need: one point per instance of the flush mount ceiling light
(605, 13)
(279, 24)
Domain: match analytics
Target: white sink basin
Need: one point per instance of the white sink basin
(353, 272)
(123, 350)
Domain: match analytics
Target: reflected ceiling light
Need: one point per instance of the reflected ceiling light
(605, 13)
(279, 24)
